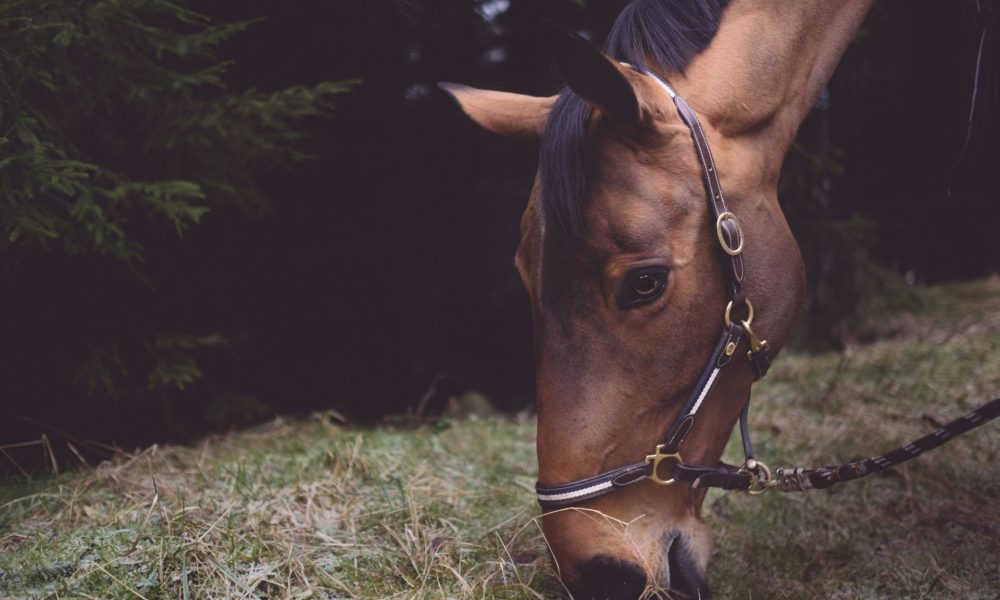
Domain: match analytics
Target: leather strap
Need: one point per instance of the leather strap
(726, 477)
(682, 425)
(727, 226)
(592, 487)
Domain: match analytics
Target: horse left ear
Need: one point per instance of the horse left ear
(503, 113)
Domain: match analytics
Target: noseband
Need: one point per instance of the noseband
(754, 476)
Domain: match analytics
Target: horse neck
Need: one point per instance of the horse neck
(754, 85)
(768, 64)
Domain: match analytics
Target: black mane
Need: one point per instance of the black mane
(667, 32)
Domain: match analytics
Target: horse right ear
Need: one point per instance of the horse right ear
(503, 113)
(594, 76)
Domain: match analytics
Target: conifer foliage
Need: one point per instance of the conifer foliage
(118, 135)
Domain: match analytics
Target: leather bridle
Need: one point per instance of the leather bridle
(754, 476)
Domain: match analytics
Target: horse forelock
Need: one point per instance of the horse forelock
(661, 34)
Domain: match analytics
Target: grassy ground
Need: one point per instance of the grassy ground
(314, 509)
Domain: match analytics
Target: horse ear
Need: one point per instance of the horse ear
(594, 76)
(511, 115)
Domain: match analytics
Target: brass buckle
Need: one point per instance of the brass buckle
(761, 480)
(728, 216)
(659, 457)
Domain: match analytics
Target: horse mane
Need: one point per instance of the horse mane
(660, 34)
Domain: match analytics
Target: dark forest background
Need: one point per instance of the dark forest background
(249, 208)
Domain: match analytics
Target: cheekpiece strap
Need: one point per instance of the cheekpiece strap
(730, 237)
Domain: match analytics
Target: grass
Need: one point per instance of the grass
(316, 509)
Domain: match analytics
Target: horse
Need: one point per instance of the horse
(620, 255)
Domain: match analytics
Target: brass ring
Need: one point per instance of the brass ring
(728, 216)
(729, 313)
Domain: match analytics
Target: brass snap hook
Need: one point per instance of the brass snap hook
(761, 480)
(756, 344)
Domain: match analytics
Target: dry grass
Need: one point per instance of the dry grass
(316, 510)
(928, 529)
(293, 510)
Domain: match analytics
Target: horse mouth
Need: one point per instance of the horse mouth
(609, 578)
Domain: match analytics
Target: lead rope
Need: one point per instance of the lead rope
(756, 478)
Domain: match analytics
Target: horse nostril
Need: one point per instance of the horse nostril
(686, 580)
(605, 577)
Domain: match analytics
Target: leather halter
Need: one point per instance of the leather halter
(731, 242)
(753, 477)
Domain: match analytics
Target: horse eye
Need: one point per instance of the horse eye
(643, 286)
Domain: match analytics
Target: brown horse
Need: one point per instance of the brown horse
(620, 258)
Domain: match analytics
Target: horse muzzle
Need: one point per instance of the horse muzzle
(600, 557)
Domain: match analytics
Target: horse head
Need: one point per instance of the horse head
(620, 255)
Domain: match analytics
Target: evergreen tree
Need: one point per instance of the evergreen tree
(118, 135)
